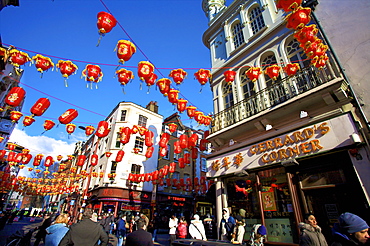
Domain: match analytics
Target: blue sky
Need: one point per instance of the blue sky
(168, 33)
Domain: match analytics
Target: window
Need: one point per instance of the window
(237, 32)
(118, 142)
(228, 95)
(139, 143)
(167, 157)
(296, 54)
(203, 165)
(142, 120)
(248, 87)
(256, 19)
(135, 169)
(114, 167)
(123, 115)
(266, 62)
(175, 175)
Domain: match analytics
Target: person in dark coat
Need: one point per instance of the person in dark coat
(350, 230)
(86, 232)
(140, 237)
(311, 234)
(121, 229)
(41, 234)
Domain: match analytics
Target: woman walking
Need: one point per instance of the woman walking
(311, 233)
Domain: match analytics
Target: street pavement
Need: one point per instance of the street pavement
(26, 225)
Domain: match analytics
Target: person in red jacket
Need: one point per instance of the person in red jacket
(182, 228)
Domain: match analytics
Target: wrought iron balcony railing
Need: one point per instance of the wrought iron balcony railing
(281, 91)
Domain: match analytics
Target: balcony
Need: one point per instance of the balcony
(281, 91)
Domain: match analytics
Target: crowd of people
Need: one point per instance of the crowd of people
(57, 229)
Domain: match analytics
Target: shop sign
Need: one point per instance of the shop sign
(323, 136)
(131, 207)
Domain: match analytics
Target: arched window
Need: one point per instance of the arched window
(227, 93)
(237, 32)
(256, 19)
(266, 62)
(248, 87)
(296, 54)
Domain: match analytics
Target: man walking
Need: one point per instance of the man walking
(350, 230)
(140, 237)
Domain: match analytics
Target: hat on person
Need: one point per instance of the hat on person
(238, 217)
(262, 230)
(351, 223)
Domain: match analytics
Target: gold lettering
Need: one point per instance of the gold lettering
(278, 142)
(263, 158)
(298, 137)
(305, 147)
(273, 156)
(282, 154)
(262, 147)
(269, 145)
(315, 144)
(253, 149)
(324, 128)
(288, 140)
(308, 132)
(293, 151)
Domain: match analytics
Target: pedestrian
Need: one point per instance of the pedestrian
(121, 229)
(227, 225)
(182, 228)
(140, 237)
(156, 221)
(145, 218)
(209, 226)
(350, 230)
(41, 234)
(57, 230)
(172, 224)
(311, 234)
(105, 223)
(239, 230)
(196, 229)
(85, 232)
(258, 235)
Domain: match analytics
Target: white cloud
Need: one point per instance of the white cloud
(43, 144)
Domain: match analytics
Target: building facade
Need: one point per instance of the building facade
(288, 145)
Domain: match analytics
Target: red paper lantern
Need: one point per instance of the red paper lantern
(145, 70)
(191, 111)
(135, 129)
(183, 141)
(89, 130)
(229, 76)
(149, 152)
(306, 35)
(105, 23)
(149, 138)
(178, 75)
(203, 144)
(124, 76)
(291, 68)
(26, 158)
(176, 147)
(172, 127)
(94, 160)
(181, 105)
(11, 156)
(273, 71)
(42, 63)
(92, 73)
(173, 96)
(168, 182)
(164, 86)
(253, 73)
(103, 129)
(298, 18)
(15, 116)
(172, 167)
(81, 160)
(28, 120)
(18, 58)
(186, 158)
(194, 153)
(316, 48)
(163, 151)
(193, 139)
(41, 105)
(198, 116)
(70, 128)
(108, 154)
(125, 134)
(203, 76)
(59, 157)
(119, 155)
(125, 50)
(68, 116)
(48, 124)
(2, 153)
(288, 5)
(48, 161)
(15, 96)
(151, 80)
(66, 68)
(165, 137)
(320, 62)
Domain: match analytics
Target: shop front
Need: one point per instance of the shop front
(318, 169)
(116, 200)
(168, 204)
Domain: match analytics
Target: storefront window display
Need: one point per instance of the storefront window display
(277, 205)
(243, 199)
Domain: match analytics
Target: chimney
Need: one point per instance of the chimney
(152, 106)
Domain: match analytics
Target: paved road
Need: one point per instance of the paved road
(26, 225)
